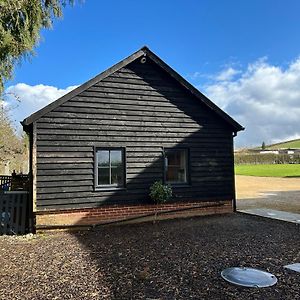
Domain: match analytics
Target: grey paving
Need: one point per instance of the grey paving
(295, 267)
(273, 214)
(283, 201)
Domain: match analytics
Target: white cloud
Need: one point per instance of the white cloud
(195, 75)
(265, 99)
(227, 74)
(26, 99)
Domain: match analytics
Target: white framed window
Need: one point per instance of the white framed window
(109, 168)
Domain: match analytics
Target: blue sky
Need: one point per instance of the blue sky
(219, 46)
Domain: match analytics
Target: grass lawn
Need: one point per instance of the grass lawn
(280, 170)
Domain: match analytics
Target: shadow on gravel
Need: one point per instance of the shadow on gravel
(183, 258)
(153, 261)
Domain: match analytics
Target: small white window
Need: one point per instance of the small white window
(110, 168)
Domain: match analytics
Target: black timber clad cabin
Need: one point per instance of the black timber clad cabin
(104, 143)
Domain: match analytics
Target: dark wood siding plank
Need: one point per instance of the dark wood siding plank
(120, 117)
(65, 172)
(202, 145)
(63, 183)
(163, 133)
(107, 123)
(47, 178)
(55, 166)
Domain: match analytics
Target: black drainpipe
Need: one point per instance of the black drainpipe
(233, 177)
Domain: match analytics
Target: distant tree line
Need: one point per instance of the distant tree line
(13, 147)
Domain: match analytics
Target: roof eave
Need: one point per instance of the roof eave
(193, 90)
(35, 116)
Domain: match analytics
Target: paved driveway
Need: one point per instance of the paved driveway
(267, 192)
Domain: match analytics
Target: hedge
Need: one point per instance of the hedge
(266, 158)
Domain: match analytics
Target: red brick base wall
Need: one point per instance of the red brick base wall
(133, 213)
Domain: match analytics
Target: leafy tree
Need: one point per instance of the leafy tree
(10, 144)
(20, 24)
(263, 146)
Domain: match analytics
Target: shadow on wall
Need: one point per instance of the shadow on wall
(209, 183)
(208, 189)
(122, 253)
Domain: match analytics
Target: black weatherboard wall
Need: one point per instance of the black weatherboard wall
(142, 108)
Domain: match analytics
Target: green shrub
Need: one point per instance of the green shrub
(160, 193)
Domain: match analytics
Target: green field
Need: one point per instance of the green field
(295, 144)
(279, 170)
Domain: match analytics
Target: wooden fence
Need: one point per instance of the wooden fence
(14, 213)
(15, 182)
(15, 209)
(5, 182)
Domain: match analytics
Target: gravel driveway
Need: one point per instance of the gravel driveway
(176, 259)
(268, 192)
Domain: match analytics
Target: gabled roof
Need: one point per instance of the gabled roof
(145, 51)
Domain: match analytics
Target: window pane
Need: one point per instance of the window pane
(117, 175)
(103, 176)
(116, 158)
(110, 164)
(172, 174)
(173, 158)
(103, 158)
(176, 169)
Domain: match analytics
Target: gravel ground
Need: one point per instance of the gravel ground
(268, 192)
(176, 259)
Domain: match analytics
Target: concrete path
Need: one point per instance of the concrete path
(273, 214)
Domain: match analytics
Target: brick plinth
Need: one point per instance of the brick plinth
(134, 213)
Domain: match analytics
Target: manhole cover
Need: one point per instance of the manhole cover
(248, 277)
